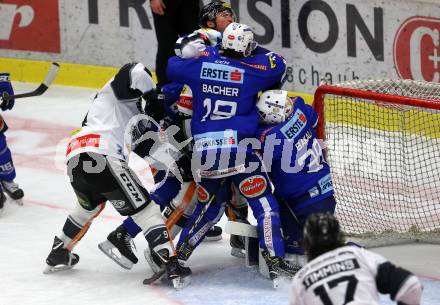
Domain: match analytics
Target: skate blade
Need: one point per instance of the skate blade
(53, 269)
(156, 276)
(153, 266)
(212, 238)
(180, 283)
(237, 253)
(276, 283)
(111, 252)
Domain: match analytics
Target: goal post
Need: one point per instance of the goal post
(383, 147)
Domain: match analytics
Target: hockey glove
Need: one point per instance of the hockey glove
(193, 49)
(6, 90)
(211, 37)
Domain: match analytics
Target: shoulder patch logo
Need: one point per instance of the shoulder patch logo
(253, 186)
(295, 125)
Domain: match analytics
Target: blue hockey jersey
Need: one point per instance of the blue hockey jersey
(224, 94)
(297, 164)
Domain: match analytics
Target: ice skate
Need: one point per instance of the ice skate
(14, 191)
(176, 273)
(60, 258)
(179, 275)
(214, 234)
(279, 268)
(118, 247)
(184, 252)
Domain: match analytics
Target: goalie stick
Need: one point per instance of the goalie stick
(180, 209)
(53, 71)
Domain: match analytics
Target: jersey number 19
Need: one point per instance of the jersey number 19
(222, 109)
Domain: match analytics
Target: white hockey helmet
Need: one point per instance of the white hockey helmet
(274, 106)
(239, 38)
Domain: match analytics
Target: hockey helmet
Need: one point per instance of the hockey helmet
(322, 233)
(274, 106)
(239, 38)
(211, 10)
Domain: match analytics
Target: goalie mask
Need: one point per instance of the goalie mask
(322, 233)
(239, 38)
(274, 106)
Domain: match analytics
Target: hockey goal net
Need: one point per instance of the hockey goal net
(383, 146)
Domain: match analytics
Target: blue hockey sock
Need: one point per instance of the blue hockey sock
(132, 228)
(7, 169)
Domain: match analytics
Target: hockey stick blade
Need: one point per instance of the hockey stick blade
(53, 71)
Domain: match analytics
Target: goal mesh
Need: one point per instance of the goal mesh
(383, 140)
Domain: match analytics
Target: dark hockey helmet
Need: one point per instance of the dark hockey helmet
(210, 11)
(322, 233)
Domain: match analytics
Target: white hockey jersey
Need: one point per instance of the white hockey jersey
(104, 126)
(346, 275)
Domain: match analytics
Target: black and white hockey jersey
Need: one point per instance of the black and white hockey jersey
(104, 127)
(352, 275)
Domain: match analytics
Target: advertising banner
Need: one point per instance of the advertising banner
(322, 41)
(30, 25)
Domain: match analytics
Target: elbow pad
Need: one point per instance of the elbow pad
(410, 293)
(391, 279)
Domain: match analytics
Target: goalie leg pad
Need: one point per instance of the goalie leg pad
(155, 266)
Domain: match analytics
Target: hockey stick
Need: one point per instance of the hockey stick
(53, 71)
(157, 275)
(199, 218)
(179, 210)
(285, 77)
(287, 206)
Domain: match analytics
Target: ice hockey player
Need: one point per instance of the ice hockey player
(98, 169)
(294, 155)
(214, 17)
(225, 82)
(171, 193)
(341, 274)
(7, 169)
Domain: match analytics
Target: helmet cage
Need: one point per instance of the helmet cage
(239, 38)
(274, 106)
